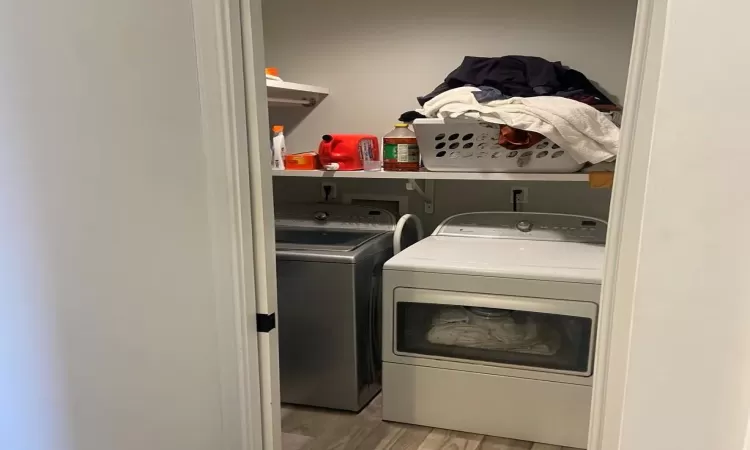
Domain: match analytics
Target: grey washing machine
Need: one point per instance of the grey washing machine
(329, 261)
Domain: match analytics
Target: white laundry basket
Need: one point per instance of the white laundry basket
(464, 145)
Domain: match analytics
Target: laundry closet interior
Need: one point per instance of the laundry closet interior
(482, 335)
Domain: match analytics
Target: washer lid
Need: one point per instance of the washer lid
(578, 262)
(322, 239)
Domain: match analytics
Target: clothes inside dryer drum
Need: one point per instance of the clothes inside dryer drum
(462, 327)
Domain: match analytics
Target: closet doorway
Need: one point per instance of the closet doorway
(351, 77)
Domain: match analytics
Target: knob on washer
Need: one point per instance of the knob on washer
(524, 226)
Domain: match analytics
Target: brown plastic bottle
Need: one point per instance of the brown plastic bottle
(400, 150)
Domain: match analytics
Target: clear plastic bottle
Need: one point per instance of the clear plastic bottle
(279, 148)
(400, 150)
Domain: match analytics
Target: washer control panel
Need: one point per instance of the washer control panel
(334, 217)
(529, 226)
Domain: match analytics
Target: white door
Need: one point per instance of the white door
(674, 370)
(127, 294)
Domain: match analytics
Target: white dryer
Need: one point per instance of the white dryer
(489, 326)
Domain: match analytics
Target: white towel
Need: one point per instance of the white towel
(462, 328)
(586, 133)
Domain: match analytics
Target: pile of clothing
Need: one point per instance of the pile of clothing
(521, 76)
(532, 98)
(495, 330)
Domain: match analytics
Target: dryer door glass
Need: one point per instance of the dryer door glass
(515, 332)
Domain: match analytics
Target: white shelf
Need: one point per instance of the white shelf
(286, 93)
(425, 175)
(281, 87)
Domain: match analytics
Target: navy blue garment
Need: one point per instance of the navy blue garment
(487, 94)
(518, 76)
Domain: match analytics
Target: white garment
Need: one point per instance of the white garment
(586, 133)
(462, 328)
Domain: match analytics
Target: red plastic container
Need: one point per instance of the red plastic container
(348, 151)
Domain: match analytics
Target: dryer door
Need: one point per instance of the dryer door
(515, 332)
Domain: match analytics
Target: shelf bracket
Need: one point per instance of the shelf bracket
(307, 102)
(427, 194)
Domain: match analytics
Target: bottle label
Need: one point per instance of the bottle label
(367, 151)
(402, 153)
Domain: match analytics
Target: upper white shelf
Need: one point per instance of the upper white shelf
(294, 94)
(425, 175)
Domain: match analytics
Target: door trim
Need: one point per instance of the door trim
(624, 233)
(234, 123)
(224, 140)
(260, 210)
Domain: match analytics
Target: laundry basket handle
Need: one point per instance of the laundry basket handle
(400, 228)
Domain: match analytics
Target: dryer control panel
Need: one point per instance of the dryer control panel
(334, 217)
(527, 226)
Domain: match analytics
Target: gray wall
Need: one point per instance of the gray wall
(109, 262)
(378, 56)
(453, 197)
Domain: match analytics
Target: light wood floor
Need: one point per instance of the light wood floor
(317, 429)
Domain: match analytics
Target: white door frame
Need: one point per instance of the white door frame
(261, 201)
(234, 99)
(239, 262)
(624, 235)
